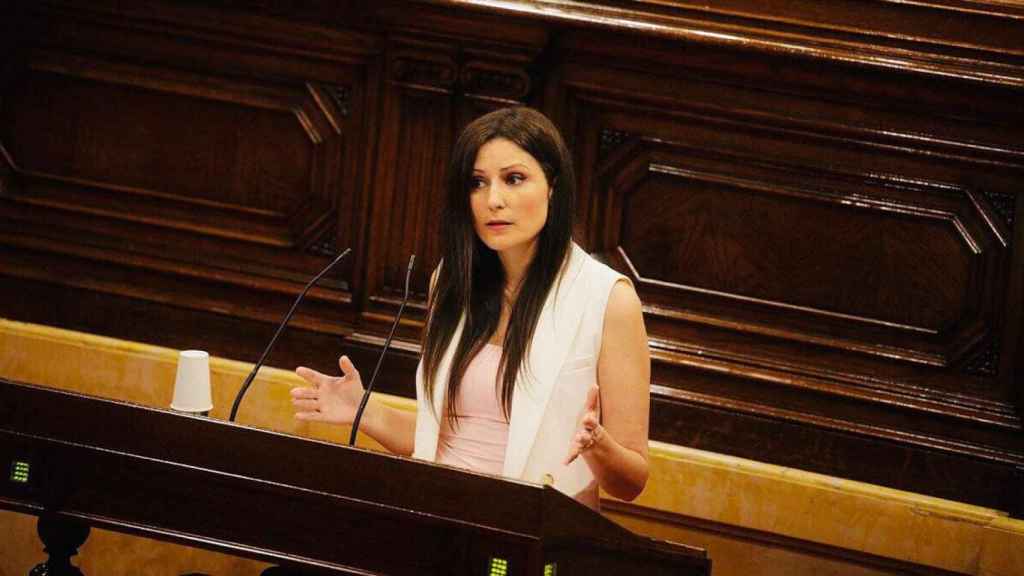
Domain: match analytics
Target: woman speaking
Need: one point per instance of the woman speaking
(535, 363)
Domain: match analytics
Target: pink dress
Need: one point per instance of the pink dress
(478, 441)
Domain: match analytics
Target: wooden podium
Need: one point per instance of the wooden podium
(328, 508)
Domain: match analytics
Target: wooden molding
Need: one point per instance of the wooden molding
(818, 204)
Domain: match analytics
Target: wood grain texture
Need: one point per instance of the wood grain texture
(819, 205)
(745, 551)
(296, 507)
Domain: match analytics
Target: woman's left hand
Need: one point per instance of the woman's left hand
(589, 431)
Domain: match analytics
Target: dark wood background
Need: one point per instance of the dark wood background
(820, 203)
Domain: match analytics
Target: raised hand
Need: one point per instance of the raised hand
(330, 399)
(588, 429)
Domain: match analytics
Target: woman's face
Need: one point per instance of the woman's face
(509, 197)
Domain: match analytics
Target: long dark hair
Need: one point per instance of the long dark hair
(471, 278)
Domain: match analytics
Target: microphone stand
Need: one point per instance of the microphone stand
(280, 328)
(380, 359)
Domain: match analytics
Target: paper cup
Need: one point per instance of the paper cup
(192, 384)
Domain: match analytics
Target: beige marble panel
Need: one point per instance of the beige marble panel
(822, 509)
(1002, 551)
(827, 510)
(144, 374)
(738, 557)
(106, 552)
(20, 547)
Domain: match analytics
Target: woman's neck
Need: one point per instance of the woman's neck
(516, 261)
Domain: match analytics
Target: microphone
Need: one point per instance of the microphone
(380, 359)
(280, 328)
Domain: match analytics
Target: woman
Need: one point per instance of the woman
(535, 361)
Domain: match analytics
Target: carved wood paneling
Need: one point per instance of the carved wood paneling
(819, 205)
(201, 170)
(437, 88)
(223, 160)
(411, 162)
(939, 38)
(803, 266)
(905, 268)
(751, 435)
(488, 80)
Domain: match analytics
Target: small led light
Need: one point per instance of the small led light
(499, 567)
(20, 472)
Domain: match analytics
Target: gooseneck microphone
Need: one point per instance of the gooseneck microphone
(380, 359)
(280, 328)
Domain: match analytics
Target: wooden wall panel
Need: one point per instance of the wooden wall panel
(418, 119)
(834, 259)
(435, 88)
(819, 204)
(244, 162)
(797, 265)
(226, 163)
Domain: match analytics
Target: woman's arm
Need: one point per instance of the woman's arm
(616, 447)
(335, 400)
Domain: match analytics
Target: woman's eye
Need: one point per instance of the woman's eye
(515, 178)
(476, 183)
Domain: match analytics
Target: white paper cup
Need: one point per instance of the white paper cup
(192, 384)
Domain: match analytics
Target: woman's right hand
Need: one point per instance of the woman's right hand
(329, 399)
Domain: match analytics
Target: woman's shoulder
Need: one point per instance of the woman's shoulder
(612, 293)
(597, 270)
(624, 306)
(613, 304)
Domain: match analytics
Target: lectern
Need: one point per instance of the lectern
(298, 502)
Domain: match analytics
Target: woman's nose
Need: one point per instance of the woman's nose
(495, 197)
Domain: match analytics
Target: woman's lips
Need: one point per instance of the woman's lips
(498, 225)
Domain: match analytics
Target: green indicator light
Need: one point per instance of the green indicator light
(550, 569)
(499, 567)
(20, 471)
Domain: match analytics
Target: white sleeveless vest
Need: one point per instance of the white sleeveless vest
(551, 390)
